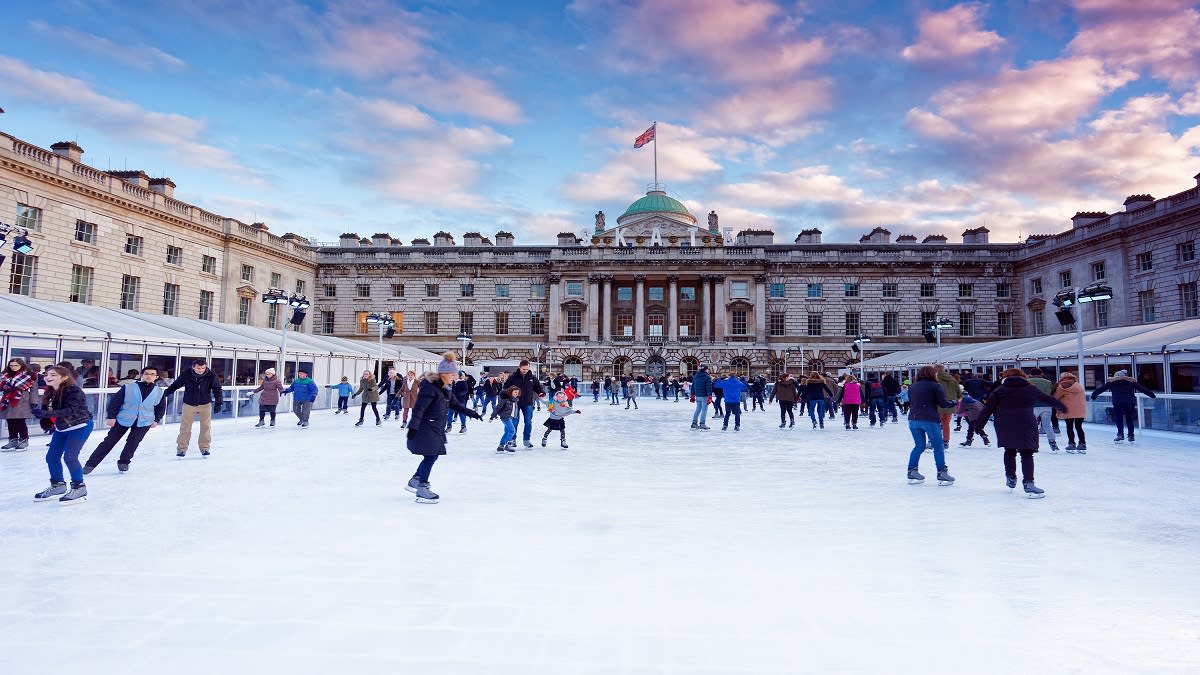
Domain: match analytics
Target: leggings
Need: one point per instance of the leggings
(267, 408)
(18, 430)
(362, 410)
(785, 411)
(850, 414)
(1010, 463)
(425, 467)
(1074, 424)
(1125, 416)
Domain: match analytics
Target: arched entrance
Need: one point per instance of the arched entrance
(656, 366)
(778, 368)
(622, 365)
(573, 367)
(740, 366)
(688, 366)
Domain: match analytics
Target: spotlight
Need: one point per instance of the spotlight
(21, 243)
(275, 296)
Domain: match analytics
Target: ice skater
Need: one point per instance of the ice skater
(507, 412)
(344, 389)
(631, 395)
(136, 408)
(304, 394)
(732, 388)
(925, 423)
(66, 403)
(370, 397)
(18, 387)
(559, 408)
(426, 435)
(1016, 427)
(1124, 401)
(1070, 392)
(268, 398)
(701, 395)
(969, 408)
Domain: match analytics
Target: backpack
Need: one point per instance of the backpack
(876, 389)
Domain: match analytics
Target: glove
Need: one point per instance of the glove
(474, 415)
(411, 434)
(39, 412)
(692, 398)
(710, 400)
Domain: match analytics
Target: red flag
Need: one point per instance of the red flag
(646, 137)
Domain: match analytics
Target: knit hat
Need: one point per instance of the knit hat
(1121, 373)
(447, 367)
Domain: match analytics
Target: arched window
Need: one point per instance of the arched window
(656, 366)
(573, 367)
(740, 367)
(816, 365)
(688, 366)
(778, 368)
(622, 365)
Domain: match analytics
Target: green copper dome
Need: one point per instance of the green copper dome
(657, 202)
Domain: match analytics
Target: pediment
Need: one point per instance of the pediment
(644, 227)
(247, 291)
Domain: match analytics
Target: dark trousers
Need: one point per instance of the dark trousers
(265, 408)
(110, 441)
(1010, 464)
(1125, 415)
(362, 410)
(717, 398)
(785, 411)
(1075, 425)
(757, 403)
(973, 428)
(425, 467)
(18, 430)
(850, 414)
(875, 407)
(343, 403)
(393, 405)
(733, 408)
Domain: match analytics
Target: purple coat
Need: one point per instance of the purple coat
(1012, 403)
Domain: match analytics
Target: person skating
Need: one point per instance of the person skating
(814, 393)
(410, 387)
(1124, 401)
(1016, 431)
(850, 397)
(891, 391)
(344, 389)
(66, 404)
(18, 388)
(718, 397)
(506, 410)
(389, 390)
(927, 398)
(631, 395)
(952, 391)
(701, 394)
(969, 408)
(1070, 392)
(786, 392)
(1044, 413)
(369, 390)
(304, 392)
(758, 389)
(461, 391)
(531, 390)
(269, 391)
(201, 396)
(614, 391)
(559, 408)
(875, 400)
(732, 389)
(136, 408)
(426, 435)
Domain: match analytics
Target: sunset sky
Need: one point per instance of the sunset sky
(320, 118)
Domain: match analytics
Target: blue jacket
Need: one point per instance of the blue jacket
(137, 403)
(702, 384)
(303, 390)
(732, 388)
(343, 388)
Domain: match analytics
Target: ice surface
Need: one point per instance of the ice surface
(645, 548)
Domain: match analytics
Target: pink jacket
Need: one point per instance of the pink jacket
(852, 393)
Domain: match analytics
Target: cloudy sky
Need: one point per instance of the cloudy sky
(470, 115)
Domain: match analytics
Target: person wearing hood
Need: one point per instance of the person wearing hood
(304, 393)
(1070, 392)
(1124, 401)
(271, 388)
(426, 435)
(1016, 428)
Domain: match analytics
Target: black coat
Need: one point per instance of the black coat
(1012, 403)
(427, 425)
(1124, 391)
(529, 385)
(197, 389)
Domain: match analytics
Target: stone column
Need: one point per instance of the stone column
(719, 314)
(672, 313)
(554, 315)
(593, 307)
(760, 308)
(706, 303)
(639, 311)
(606, 327)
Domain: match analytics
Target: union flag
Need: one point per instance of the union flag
(646, 137)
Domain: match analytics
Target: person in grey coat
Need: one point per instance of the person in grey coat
(18, 388)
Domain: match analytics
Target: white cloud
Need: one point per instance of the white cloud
(140, 56)
(952, 34)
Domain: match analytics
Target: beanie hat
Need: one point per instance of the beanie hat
(447, 367)
(1121, 373)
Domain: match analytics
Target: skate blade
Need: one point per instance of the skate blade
(945, 483)
(1035, 496)
(74, 501)
(422, 500)
(915, 482)
(410, 489)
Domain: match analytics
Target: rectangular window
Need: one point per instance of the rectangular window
(966, 324)
(814, 324)
(1099, 272)
(466, 290)
(687, 293)
(1101, 313)
(891, 324)
(1145, 261)
(776, 324)
(81, 284)
(206, 305)
(624, 293)
(575, 290)
(689, 325)
(1039, 323)
(361, 325)
(656, 324)
(29, 217)
(397, 290)
(23, 274)
(777, 290)
(208, 264)
(276, 280)
(1036, 285)
(329, 290)
(85, 232)
(625, 323)
(739, 322)
(174, 255)
(299, 287)
(273, 316)
(966, 290)
(1187, 298)
(1146, 302)
(1004, 324)
(327, 322)
(501, 323)
(502, 290)
(130, 286)
(362, 290)
(432, 290)
(852, 323)
(1186, 251)
(247, 273)
(1004, 290)
(537, 291)
(1064, 279)
(851, 290)
(244, 311)
(739, 289)
(537, 323)
(574, 322)
(656, 293)
(813, 290)
(928, 290)
(171, 299)
(431, 323)
(891, 290)
(133, 244)
(927, 318)
(466, 323)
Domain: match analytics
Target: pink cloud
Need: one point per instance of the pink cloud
(1161, 36)
(952, 34)
(759, 110)
(800, 186)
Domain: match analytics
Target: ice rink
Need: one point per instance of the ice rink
(645, 548)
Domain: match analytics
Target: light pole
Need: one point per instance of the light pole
(857, 346)
(465, 339)
(934, 328)
(386, 325)
(1068, 298)
(299, 305)
(799, 351)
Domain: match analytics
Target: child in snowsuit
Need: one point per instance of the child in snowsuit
(559, 409)
(969, 408)
(506, 411)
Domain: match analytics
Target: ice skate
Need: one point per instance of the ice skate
(260, 424)
(784, 424)
(944, 478)
(544, 438)
(697, 426)
(181, 454)
(1131, 438)
(705, 427)
(528, 444)
(51, 492)
(1119, 439)
(1070, 448)
(793, 423)
(11, 445)
(1053, 446)
(1081, 449)
(413, 484)
(425, 495)
(563, 444)
(986, 442)
(1032, 491)
(77, 493)
(205, 453)
(87, 468)
(501, 448)
(915, 477)
(1011, 482)
(122, 466)
(965, 444)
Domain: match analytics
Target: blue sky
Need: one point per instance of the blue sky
(408, 118)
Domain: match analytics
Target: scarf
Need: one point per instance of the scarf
(13, 387)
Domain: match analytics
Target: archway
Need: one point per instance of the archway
(740, 366)
(573, 367)
(622, 365)
(688, 366)
(656, 366)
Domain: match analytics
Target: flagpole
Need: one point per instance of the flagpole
(655, 127)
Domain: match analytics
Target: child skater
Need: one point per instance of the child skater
(559, 410)
(507, 412)
(344, 389)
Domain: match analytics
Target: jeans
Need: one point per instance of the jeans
(65, 447)
(1042, 413)
(595, 396)
(922, 432)
(425, 467)
(889, 408)
(816, 411)
(1125, 415)
(875, 407)
(490, 399)
(733, 408)
(527, 416)
(700, 416)
(510, 431)
(343, 403)
(393, 406)
(111, 439)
